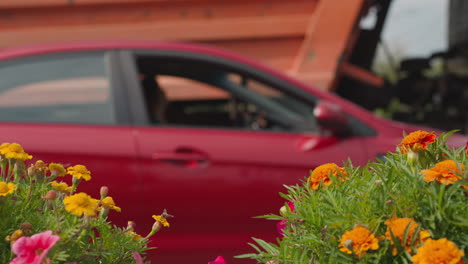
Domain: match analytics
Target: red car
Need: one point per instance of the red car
(207, 134)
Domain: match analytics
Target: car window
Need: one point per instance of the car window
(190, 93)
(59, 88)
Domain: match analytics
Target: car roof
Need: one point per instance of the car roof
(13, 52)
(38, 49)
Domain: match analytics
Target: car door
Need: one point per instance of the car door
(230, 138)
(68, 108)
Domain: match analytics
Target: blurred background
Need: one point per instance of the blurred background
(405, 60)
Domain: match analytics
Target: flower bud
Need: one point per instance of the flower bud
(413, 157)
(104, 191)
(283, 210)
(131, 225)
(348, 244)
(156, 227)
(50, 195)
(26, 228)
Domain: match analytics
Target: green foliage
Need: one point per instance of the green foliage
(34, 207)
(373, 194)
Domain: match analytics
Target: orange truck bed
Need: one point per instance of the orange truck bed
(308, 39)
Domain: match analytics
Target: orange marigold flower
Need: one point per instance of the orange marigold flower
(438, 251)
(322, 174)
(398, 226)
(416, 141)
(446, 172)
(466, 149)
(358, 241)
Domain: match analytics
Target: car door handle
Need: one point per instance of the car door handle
(183, 158)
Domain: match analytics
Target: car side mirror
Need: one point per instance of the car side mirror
(331, 118)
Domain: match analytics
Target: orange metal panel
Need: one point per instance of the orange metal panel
(326, 39)
(52, 3)
(275, 52)
(195, 30)
(155, 12)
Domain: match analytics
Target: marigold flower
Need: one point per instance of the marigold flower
(38, 169)
(34, 249)
(6, 188)
(15, 236)
(14, 151)
(161, 219)
(4, 148)
(79, 172)
(398, 226)
(60, 186)
(416, 141)
(446, 172)
(57, 169)
(358, 241)
(134, 236)
(81, 203)
(322, 174)
(108, 203)
(438, 251)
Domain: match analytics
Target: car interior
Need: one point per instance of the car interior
(198, 94)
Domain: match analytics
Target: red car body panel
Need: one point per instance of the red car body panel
(220, 179)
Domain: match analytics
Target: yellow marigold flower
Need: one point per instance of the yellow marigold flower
(416, 141)
(446, 172)
(438, 251)
(61, 186)
(81, 203)
(358, 241)
(322, 174)
(57, 169)
(6, 188)
(15, 151)
(398, 226)
(108, 203)
(134, 235)
(15, 236)
(161, 219)
(79, 172)
(4, 148)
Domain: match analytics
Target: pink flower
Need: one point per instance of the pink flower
(218, 260)
(34, 249)
(282, 224)
(137, 257)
